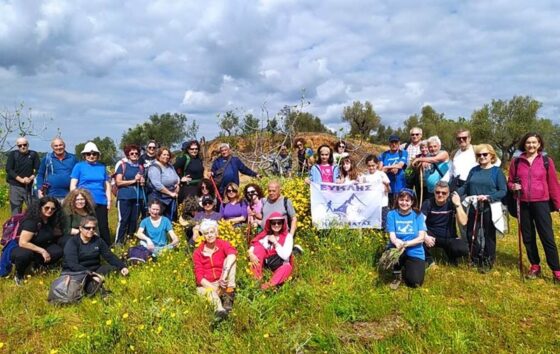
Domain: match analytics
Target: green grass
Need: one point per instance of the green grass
(334, 303)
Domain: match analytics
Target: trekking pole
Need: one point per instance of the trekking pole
(519, 234)
(216, 189)
(421, 185)
(473, 235)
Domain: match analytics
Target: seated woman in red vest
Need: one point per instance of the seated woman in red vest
(272, 249)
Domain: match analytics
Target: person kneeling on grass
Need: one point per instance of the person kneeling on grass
(407, 228)
(272, 249)
(214, 269)
(84, 251)
(153, 230)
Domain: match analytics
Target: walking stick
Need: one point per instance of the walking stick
(519, 235)
(473, 235)
(421, 185)
(216, 190)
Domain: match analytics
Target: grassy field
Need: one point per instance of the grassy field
(334, 303)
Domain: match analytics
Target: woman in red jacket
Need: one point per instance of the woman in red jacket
(214, 269)
(272, 248)
(537, 186)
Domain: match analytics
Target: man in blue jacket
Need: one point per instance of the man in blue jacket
(53, 178)
(226, 168)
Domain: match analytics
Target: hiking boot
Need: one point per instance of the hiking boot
(220, 315)
(227, 299)
(297, 250)
(396, 282)
(556, 276)
(534, 271)
(18, 280)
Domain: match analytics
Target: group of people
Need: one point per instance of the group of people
(431, 199)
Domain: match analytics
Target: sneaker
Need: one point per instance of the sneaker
(396, 282)
(18, 280)
(534, 271)
(297, 250)
(556, 276)
(227, 299)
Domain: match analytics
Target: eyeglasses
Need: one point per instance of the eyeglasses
(133, 154)
(483, 154)
(276, 222)
(231, 191)
(415, 134)
(441, 193)
(193, 149)
(88, 228)
(462, 138)
(91, 153)
(207, 202)
(49, 208)
(342, 146)
(251, 191)
(151, 147)
(21, 145)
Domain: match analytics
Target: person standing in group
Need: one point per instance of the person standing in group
(92, 175)
(226, 169)
(393, 162)
(485, 184)
(149, 156)
(461, 160)
(435, 166)
(380, 182)
(326, 170)
(190, 169)
(532, 177)
(412, 147)
(304, 154)
(53, 178)
(340, 152)
(163, 182)
(129, 178)
(21, 168)
(407, 229)
(348, 171)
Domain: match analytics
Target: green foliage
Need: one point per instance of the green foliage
(299, 122)
(250, 125)
(229, 123)
(168, 129)
(362, 119)
(107, 148)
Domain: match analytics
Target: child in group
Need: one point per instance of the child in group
(154, 229)
(407, 228)
(348, 171)
(380, 182)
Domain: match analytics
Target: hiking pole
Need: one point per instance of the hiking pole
(473, 235)
(519, 234)
(421, 185)
(216, 190)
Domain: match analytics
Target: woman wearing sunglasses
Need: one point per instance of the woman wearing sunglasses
(272, 249)
(485, 184)
(205, 189)
(92, 175)
(234, 208)
(254, 195)
(39, 236)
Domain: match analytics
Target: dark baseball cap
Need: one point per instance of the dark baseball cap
(394, 138)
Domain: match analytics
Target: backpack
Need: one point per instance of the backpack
(137, 254)
(114, 188)
(288, 217)
(11, 227)
(509, 199)
(150, 189)
(69, 287)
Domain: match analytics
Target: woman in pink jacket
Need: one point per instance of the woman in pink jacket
(272, 249)
(537, 186)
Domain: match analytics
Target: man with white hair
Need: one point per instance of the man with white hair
(21, 169)
(226, 168)
(412, 147)
(53, 178)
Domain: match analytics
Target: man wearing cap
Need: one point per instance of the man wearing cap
(393, 163)
(226, 168)
(21, 167)
(53, 178)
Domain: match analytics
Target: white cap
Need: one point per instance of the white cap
(90, 147)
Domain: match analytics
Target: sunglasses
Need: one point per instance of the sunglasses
(21, 145)
(151, 147)
(193, 149)
(88, 228)
(91, 154)
(133, 154)
(484, 154)
(462, 138)
(277, 222)
(342, 146)
(203, 187)
(48, 208)
(231, 191)
(441, 193)
(251, 191)
(415, 134)
(207, 202)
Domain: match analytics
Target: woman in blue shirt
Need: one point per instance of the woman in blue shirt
(154, 229)
(407, 228)
(92, 175)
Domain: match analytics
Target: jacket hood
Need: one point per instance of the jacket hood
(275, 215)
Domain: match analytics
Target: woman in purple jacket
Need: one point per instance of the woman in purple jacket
(532, 176)
(235, 207)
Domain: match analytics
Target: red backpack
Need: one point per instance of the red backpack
(11, 227)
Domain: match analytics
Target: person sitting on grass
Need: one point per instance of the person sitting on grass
(154, 229)
(84, 253)
(272, 249)
(214, 269)
(407, 228)
(40, 237)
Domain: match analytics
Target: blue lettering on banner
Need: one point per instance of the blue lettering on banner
(346, 187)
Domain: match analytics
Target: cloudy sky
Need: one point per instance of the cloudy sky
(94, 68)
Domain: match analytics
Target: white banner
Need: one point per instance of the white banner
(353, 205)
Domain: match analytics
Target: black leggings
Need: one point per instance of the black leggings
(454, 248)
(413, 270)
(537, 215)
(102, 215)
(22, 258)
